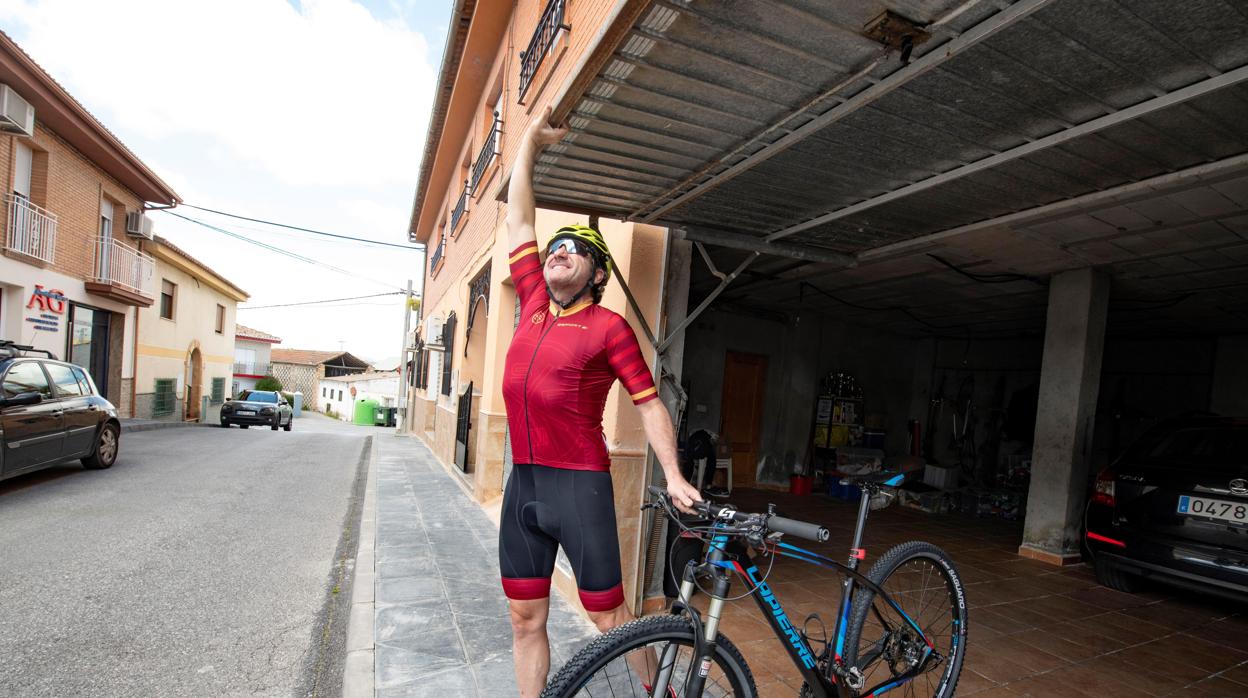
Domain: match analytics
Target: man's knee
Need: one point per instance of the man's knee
(528, 618)
(605, 620)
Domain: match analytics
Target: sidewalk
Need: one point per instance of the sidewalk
(440, 618)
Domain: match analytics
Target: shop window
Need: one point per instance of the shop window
(163, 397)
(220, 319)
(218, 389)
(88, 342)
(168, 294)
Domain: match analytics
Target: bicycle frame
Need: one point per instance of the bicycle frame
(717, 561)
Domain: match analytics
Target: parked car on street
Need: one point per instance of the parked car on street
(1174, 508)
(260, 408)
(51, 412)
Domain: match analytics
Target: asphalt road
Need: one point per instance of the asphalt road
(202, 564)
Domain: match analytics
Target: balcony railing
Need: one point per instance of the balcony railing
(437, 254)
(543, 38)
(460, 207)
(251, 369)
(32, 230)
(119, 264)
(489, 150)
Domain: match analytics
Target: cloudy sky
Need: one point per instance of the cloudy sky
(306, 112)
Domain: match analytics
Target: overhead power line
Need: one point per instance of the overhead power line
(273, 248)
(304, 230)
(327, 300)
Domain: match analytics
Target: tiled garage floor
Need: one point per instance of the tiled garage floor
(1034, 629)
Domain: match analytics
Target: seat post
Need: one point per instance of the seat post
(864, 505)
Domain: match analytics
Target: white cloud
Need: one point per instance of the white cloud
(324, 95)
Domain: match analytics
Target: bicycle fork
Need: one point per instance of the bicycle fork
(704, 632)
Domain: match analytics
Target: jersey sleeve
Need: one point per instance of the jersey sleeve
(624, 356)
(526, 274)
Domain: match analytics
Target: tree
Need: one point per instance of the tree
(268, 383)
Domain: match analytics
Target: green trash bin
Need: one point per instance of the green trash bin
(365, 411)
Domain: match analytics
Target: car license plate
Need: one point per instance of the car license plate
(247, 413)
(1235, 512)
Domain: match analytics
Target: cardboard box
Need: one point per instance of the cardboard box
(940, 478)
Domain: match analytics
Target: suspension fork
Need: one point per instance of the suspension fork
(705, 631)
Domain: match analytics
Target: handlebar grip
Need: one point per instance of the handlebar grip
(801, 529)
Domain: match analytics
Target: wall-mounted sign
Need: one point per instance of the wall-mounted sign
(51, 305)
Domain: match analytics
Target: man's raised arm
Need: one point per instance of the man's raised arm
(521, 206)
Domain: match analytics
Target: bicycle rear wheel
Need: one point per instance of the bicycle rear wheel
(923, 581)
(615, 663)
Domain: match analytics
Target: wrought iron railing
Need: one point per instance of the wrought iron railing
(437, 254)
(460, 207)
(32, 229)
(122, 265)
(543, 38)
(251, 369)
(489, 150)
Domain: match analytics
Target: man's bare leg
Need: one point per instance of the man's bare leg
(530, 646)
(644, 664)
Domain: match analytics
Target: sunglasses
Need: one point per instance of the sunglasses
(569, 245)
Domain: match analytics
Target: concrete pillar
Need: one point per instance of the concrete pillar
(1230, 377)
(1070, 376)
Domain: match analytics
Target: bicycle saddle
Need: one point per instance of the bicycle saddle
(883, 478)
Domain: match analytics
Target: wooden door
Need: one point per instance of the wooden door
(745, 377)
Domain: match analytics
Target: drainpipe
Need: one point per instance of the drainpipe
(134, 355)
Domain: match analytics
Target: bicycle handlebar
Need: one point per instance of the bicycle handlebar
(779, 524)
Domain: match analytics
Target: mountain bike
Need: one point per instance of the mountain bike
(900, 627)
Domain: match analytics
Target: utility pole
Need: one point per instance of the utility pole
(407, 323)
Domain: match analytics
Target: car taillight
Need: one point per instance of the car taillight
(1104, 492)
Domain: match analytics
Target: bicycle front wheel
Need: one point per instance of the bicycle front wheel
(923, 581)
(627, 660)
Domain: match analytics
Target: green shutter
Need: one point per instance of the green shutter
(218, 391)
(163, 401)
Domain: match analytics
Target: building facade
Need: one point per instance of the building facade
(185, 339)
(341, 394)
(301, 370)
(252, 356)
(75, 270)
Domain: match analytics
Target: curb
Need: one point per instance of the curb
(359, 673)
(152, 426)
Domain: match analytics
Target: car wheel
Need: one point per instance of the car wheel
(225, 424)
(1110, 576)
(106, 446)
(290, 423)
(277, 421)
(243, 426)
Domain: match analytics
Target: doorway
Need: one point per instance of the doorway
(88, 342)
(194, 377)
(745, 377)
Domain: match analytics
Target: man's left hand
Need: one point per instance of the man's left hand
(683, 494)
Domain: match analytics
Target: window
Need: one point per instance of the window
(340, 396)
(24, 164)
(220, 319)
(106, 218)
(168, 292)
(26, 377)
(163, 399)
(448, 341)
(64, 379)
(84, 381)
(218, 389)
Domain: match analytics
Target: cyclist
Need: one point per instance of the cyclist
(566, 353)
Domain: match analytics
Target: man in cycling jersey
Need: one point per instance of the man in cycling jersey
(566, 354)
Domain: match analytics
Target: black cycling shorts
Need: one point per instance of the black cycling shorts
(546, 507)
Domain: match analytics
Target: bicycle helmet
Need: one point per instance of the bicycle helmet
(599, 254)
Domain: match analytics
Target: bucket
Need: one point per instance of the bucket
(801, 484)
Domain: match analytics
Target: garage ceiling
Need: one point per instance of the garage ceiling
(779, 125)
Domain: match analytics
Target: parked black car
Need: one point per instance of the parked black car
(50, 412)
(1174, 507)
(258, 407)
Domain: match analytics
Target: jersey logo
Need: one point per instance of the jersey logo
(539, 317)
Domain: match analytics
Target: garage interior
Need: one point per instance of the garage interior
(1011, 236)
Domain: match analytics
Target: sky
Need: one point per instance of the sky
(311, 113)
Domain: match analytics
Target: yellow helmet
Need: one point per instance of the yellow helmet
(591, 237)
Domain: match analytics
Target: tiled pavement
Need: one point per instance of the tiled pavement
(1035, 630)
(441, 618)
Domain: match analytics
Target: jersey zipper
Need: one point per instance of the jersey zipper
(528, 430)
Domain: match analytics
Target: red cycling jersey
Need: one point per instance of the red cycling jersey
(560, 366)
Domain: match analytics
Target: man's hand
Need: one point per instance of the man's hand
(542, 133)
(683, 494)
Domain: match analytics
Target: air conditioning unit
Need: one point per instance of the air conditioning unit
(17, 116)
(433, 332)
(139, 225)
